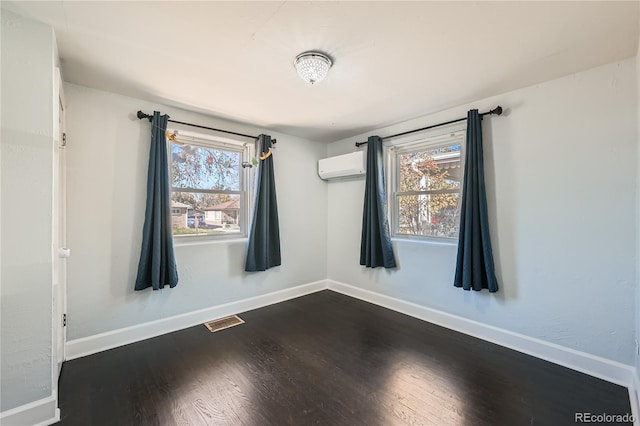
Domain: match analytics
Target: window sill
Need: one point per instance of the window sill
(208, 241)
(425, 241)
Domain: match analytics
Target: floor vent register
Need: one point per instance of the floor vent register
(223, 323)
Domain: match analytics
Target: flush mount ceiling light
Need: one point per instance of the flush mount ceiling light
(312, 67)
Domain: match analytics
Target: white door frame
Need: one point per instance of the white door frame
(59, 282)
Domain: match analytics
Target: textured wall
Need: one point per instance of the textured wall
(26, 176)
(107, 158)
(561, 167)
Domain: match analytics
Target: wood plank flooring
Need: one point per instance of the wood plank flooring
(326, 359)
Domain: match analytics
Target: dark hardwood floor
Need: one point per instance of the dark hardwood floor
(326, 359)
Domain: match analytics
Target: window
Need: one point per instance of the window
(208, 187)
(425, 186)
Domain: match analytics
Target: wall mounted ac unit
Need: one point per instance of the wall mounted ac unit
(346, 165)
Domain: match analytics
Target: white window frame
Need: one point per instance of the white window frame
(246, 151)
(444, 136)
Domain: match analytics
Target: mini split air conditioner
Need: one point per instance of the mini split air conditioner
(341, 166)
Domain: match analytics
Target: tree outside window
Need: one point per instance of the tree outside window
(426, 190)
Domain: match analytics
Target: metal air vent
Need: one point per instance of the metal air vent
(222, 323)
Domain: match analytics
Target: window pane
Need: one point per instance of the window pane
(433, 215)
(198, 167)
(203, 213)
(431, 169)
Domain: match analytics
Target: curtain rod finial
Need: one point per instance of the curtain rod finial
(142, 115)
(497, 110)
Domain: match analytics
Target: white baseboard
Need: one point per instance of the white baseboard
(42, 412)
(583, 362)
(112, 339)
(599, 367)
(634, 397)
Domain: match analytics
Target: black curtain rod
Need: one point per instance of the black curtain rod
(496, 111)
(141, 115)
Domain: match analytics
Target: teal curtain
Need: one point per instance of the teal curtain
(157, 266)
(375, 244)
(263, 251)
(474, 269)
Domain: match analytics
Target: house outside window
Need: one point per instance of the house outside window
(178, 215)
(425, 183)
(209, 186)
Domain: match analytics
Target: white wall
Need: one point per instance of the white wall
(26, 187)
(560, 171)
(638, 218)
(107, 155)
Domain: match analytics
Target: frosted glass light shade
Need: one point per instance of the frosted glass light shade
(312, 67)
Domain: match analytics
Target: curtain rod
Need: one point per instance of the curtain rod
(141, 115)
(496, 111)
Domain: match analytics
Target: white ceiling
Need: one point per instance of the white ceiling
(392, 60)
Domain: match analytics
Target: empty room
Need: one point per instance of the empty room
(319, 213)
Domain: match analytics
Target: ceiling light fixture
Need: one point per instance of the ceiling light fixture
(312, 67)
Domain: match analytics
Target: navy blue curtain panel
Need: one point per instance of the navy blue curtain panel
(474, 268)
(263, 251)
(375, 244)
(157, 266)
